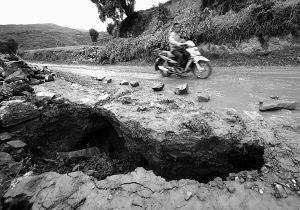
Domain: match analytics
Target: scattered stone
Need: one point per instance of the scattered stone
(188, 195)
(5, 157)
(108, 81)
(14, 112)
(5, 137)
(231, 189)
(49, 78)
(203, 98)
(90, 152)
(17, 144)
(103, 97)
(76, 168)
(127, 100)
(90, 172)
(290, 105)
(182, 89)
(274, 97)
(261, 191)
(100, 78)
(134, 84)
(59, 100)
(158, 87)
(142, 109)
(45, 96)
(124, 82)
(280, 191)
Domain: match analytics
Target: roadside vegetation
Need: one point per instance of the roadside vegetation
(216, 22)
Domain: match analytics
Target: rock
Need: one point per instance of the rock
(203, 98)
(188, 195)
(14, 66)
(44, 96)
(103, 98)
(142, 109)
(5, 137)
(14, 112)
(90, 152)
(16, 76)
(109, 80)
(274, 97)
(34, 81)
(231, 189)
(158, 87)
(134, 84)
(182, 89)
(17, 144)
(49, 78)
(5, 157)
(124, 82)
(90, 172)
(100, 78)
(6, 90)
(280, 191)
(242, 180)
(20, 86)
(282, 104)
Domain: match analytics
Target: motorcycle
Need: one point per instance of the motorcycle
(197, 64)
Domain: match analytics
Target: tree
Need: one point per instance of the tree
(110, 28)
(94, 34)
(114, 9)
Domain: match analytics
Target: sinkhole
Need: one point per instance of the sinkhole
(122, 153)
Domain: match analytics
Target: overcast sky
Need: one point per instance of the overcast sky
(79, 14)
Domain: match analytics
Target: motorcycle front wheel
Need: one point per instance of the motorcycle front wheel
(202, 70)
(161, 62)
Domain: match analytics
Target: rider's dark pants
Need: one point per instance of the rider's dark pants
(181, 56)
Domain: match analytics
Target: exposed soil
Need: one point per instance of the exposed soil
(176, 137)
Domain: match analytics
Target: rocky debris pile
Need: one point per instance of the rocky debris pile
(16, 76)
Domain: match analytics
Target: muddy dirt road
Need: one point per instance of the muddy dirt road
(240, 88)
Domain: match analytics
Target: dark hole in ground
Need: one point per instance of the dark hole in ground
(102, 134)
(115, 158)
(247, 158)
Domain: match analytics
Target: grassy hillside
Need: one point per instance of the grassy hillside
(207, 21)
(36, 36)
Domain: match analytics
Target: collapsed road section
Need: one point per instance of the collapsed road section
(82, 156)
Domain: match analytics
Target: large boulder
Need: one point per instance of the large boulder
(14, 112)
(17, 75)
(20, 86)
(14, 66)
(5, 91)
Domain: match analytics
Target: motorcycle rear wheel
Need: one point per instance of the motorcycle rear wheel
(161, 62)
(205, 70)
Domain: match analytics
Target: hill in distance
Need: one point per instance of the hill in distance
(37, 36)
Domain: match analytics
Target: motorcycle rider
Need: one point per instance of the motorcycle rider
(176, 45)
